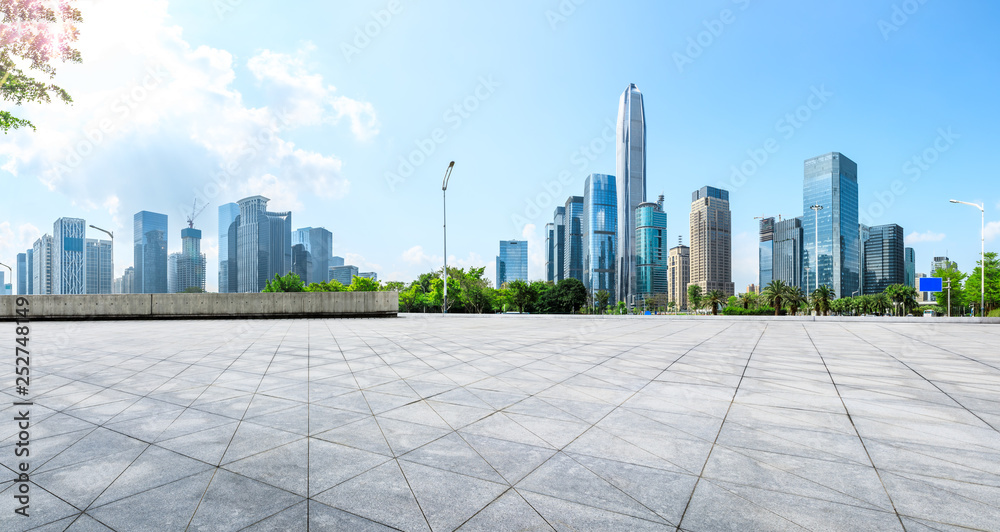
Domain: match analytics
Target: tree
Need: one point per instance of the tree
(795, 297)
(973, 292)
(288, 283)
(774, 294)
(193, 290)
(522, 295)
(715, 299)
(603, 296)
(958, 294)
(821, 298)
(33, 32)
(694, 296)
(747, 299)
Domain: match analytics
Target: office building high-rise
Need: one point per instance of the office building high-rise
(678, 275)
(600, 234)
(711, 241)
(650, 249)
(885, 263)
(787, 257)
(172, 261)
(191, 262)
(42, 266)
(264, 244)
(336, 261)
(301, 263)
(630, 158)
(831, 182)
(864, 232)
(550, 252)
(128, 281)
(910, 266)
(317, 243)
(765, 252)
(228, 270)
(559, 247)
(573, 259)
(368, 275)
(150, 243)
(942, 263)
(923, 297)
(69, 263)
(343, 274)
(30, 275)
(100, 268)
(22, 273)
(512, 262)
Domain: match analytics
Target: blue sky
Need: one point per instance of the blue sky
(224, 99)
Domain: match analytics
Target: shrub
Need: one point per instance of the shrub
(994, 313)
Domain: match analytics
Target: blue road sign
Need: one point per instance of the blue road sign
(930, 284)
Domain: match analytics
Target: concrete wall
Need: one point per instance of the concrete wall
(221, 306)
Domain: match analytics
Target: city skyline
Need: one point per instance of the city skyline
(330, 150)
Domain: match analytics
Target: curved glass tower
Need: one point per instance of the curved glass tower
(651, 249)
(630, 185)
(600, 232)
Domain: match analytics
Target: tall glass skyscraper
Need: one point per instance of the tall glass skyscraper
(600, 233)
(263, 244)
(512, 262)
(228, 280)
(573, 265)
(910, 265)
(42, 269)
(150, 241)
(831, 181)
(191, 262)
(550, 252)
(651, 249)
(69, 264)
(559, 244)
(787, 257)
(884, 258)
(317, 243)
(100, 268)
(631, 184)
(766, 252)
(22, 273)
(30, 263)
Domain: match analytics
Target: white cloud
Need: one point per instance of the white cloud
(926, 236)
(14, 240)
(282, 196)
(992, 230)
(156, 120)
(536, 253)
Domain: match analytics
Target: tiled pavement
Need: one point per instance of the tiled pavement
(508, 423)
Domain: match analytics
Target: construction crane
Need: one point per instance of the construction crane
(195, 211)
(766, 216)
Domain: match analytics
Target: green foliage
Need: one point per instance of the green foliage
(958, 303)
(331, 286)
(774, 294)
(994, 313)
(694, 296)
(193, 290)
(973, 285)
(821, 298)
(364, 284)
(522, 295)
(715, 299)
(740, 311)
(603, 296)
(747, 300)
(288, 283)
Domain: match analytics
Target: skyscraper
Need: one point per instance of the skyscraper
(317, 243)
(831, 182)
(765, 253)
(559, 252)
(910, 266)
(512, 262)
(301, 263)
(69, 264)
(651, 249)
(128, 281)
(631, 184)
(22, 273)
(600, 232)
(30, 277)
(550, 252)
(191, 261)
(573, 264)
(336, 261)
(884, 258)
(172, 261)
(264, 244)
(678, 275)
(42, 266)
(863, 233)
(228, 220)
(711, 241)
(343, 274)
(787, 256)
(942, 263)
(100, 268)
(150, 240)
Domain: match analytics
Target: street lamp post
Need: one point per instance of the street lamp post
(982, 243)
(816, 209)
(11, 270)
(112, 235)
(444, 207)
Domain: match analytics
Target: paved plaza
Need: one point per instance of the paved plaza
(513, 423)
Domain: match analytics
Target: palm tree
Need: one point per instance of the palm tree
(716, 299)
(774, 294)
(694, 296)
(908, 298)
(821, 300)
(795, 298)
(747, 300)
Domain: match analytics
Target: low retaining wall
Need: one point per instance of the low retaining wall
(219, 306)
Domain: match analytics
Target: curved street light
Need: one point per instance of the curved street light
(444, 205)
(112, 235)
(982, 268)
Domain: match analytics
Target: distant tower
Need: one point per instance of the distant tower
(69, 264)
(600, 234)
(150, 245)
(711, 241)
(630, 186)
(651, 249)
(831, 182)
